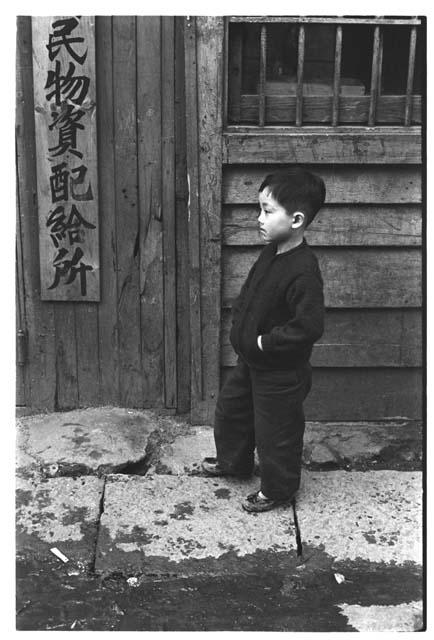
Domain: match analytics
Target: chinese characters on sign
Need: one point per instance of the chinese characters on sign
(65, 131)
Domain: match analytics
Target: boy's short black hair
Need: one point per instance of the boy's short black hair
(297, 189)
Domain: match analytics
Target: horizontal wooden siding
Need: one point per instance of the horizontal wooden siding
(367, 238)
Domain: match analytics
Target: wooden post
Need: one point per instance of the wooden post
(300, 73)
(155, 206)
(262, 74)
(127, 211)
(410, 77)
(210, 139)
(337, 75)
(40, 370)
(182, 253)
(108, 328)
(168, 201)
(193, 211)
(375, 74)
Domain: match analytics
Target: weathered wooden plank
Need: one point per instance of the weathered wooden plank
(152, 209)
(168, 199)
(365, 394)
(87, 344)
(357, 338)
(40, 368)
(391, 184)
(300, 75)
(364, 225)
(337, 74)
(181, 195)
(66, 356)
(66, 151)
(377, 54)
(107, 307)
(20, 307)
(318, 109)
(368, 277)
(127, 218)
(410, 77)
(323, 20)
(262, 73)
(362, 394)
(210, 31)
(194, 239)
(87, 314)
(356, 148)
(20, 375)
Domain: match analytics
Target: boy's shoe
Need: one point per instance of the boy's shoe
(256, 504)
(211, 467)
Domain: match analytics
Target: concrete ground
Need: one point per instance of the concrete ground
(150, 544)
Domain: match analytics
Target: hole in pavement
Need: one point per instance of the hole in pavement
(74, 470)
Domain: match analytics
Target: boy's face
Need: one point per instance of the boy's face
(274, 222)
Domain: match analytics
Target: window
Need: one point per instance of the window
(324, 71)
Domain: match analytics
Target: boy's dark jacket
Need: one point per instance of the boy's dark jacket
(282, 299)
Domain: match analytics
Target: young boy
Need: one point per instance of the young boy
(276, 319)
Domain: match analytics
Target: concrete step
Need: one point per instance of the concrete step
(184, 524)
(58, 512)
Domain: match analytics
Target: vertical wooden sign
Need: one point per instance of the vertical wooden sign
(66, 149)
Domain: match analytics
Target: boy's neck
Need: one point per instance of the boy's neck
(291, 243)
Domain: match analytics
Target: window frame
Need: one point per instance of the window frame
(408, 127)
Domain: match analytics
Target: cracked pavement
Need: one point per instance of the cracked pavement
(152, 545)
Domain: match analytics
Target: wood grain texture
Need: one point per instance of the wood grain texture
(391, 184)
(410, 77)
(66, 356)
(262, 74)
(365, 277)
(300, 74)
(325, 20)
(182, 257)
(193, 208)
(108, 337)
(385, 147)
(337, 74)
(377, 49)
(210, 30)
(168, 199)
(152, 209)
(338, 225)
(40, 371)
(319, 109)
(88, 369)
(357, 338)
(20, 372)
(127, 217)
(362, 394)
(51, 152)
(87, 313)
(20, 308)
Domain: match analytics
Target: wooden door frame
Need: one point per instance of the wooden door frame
(204, 59)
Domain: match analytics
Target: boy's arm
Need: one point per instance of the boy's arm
(239, 300)
(307, 325)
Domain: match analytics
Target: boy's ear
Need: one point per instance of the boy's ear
(299, 219)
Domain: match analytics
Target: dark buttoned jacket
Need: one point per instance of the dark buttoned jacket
(282, 300)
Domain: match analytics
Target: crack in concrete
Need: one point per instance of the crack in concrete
(297, 531)
(98, 525)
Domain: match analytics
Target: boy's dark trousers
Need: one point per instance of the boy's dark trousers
(263, 409)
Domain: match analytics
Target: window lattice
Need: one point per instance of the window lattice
(324, 71)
